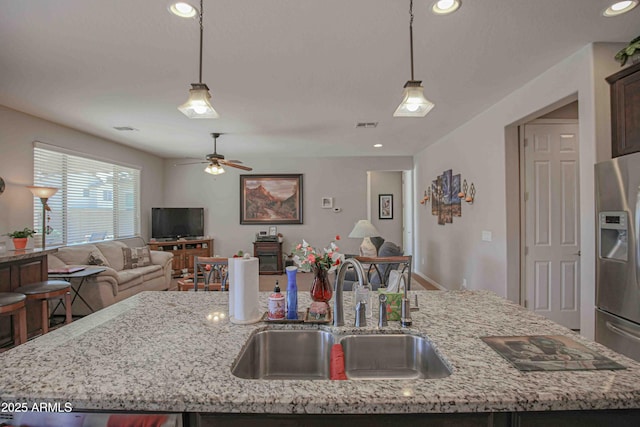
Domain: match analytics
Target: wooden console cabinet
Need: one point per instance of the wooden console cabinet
(625, 111)
(184, 251)
(269, 256)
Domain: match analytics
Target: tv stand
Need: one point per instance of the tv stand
(184, 251)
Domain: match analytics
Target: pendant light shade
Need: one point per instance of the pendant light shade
(198, 105)
(413, 104)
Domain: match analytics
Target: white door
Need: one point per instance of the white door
(552, 230)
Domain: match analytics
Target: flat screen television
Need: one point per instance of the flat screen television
(176, 223)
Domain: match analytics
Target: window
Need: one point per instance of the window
(94, 197)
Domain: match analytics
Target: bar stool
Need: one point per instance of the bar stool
(43, 292)
(14, 304)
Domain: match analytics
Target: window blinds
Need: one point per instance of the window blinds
(96, 200)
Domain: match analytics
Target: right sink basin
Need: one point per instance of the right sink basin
(391, 356)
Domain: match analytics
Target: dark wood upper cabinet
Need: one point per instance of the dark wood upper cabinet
(625, 111)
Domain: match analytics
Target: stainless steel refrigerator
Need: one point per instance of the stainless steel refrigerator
(618, 254)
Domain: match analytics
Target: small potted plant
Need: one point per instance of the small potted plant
(632, 50)
(20, 237)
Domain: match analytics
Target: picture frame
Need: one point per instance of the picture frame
(327, 203)
(385, 206)
(273, 230)
(271, 199)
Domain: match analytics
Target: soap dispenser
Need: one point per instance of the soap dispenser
(276, 304)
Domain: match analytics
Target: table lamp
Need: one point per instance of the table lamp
(364, 229)
(44, 193)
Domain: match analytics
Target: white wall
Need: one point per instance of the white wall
(18, 131)
(344, 179)
(455, 252)
(387, 183)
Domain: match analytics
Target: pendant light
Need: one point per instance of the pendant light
(413, 104)
(198, 105)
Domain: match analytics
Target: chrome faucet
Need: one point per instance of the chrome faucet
(338, 302)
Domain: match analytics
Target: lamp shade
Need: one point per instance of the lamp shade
(198, 105)
(413, 104)
(363, 229)
(42, 192)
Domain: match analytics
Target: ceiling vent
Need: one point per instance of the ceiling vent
(124, 128)
(366, 125)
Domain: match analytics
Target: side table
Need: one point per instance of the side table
(82, 275)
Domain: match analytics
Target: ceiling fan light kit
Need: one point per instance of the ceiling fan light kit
(414, 103)
(214, 168)
(198, 105)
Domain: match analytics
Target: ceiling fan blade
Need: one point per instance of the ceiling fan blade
(233, 165)
(189, 163)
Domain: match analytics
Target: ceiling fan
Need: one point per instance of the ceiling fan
(216, 161)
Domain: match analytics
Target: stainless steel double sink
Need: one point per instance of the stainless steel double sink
(304, 354)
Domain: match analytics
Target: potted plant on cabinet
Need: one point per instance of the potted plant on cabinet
(632, 50)
(20, 237)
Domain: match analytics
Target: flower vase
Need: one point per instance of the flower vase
(321, 287)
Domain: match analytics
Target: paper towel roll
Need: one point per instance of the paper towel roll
(244, 291)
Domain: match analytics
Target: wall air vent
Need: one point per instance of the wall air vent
(124, 128)
(365, 125)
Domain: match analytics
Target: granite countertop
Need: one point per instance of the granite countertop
(19, 254)
(163, 351)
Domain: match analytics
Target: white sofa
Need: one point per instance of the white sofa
(116, 282)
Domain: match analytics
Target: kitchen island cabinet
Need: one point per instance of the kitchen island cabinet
(101, 363)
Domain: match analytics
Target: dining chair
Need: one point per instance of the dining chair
(210, 270)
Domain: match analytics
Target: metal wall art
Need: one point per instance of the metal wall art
(446, 195)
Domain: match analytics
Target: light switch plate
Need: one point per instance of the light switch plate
(486, 236)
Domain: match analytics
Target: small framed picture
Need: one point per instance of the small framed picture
(327, 202)
(273, 230)
(385, 206)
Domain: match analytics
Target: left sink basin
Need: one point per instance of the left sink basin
(285, 355)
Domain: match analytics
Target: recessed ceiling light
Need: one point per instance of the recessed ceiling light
(618, 8)
(183, 10)
(377, 145)
(444, 7)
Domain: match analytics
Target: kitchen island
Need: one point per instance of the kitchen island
(173, 352)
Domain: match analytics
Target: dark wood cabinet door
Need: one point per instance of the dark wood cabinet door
(625, 111)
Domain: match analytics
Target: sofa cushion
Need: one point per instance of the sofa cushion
(112, 251)
(55, 263)
(136, 257)
(150, 272)
(129, 278)
(76, 255)
(97, 258)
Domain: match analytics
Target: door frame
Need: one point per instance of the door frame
(522, 196)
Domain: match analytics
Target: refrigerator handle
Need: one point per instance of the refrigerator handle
(622, 332)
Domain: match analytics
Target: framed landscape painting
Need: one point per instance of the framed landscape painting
(271, 199)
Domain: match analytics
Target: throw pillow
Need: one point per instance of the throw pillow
(136, 257)
(96, 258)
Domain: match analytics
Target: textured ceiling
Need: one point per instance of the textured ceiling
(288, 77)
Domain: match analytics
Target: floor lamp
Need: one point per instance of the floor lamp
(43, 193)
